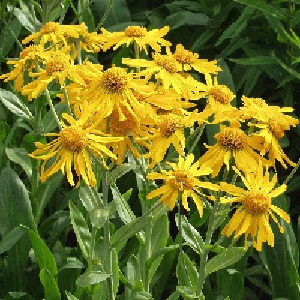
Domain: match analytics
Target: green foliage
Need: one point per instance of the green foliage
(112, 243)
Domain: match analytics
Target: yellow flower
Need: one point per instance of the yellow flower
(63, 35)
(189, 60)
(72, 148)
(28, 59)
(219, 101)
(133, 133)
(181, 181)
(168, 130)
(114, 89)
(140, 35)
(166, 70)
(272, 123)
(252, 215)
(233, 143)
(259, 110)
(58, 66)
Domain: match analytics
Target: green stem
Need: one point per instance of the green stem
(69, 110)
(49, 100)
(208, 238)
(107, 246)
(200, 130)
(109, 6)
(147, 255)
(204, 256)
(92, 248)
(137, 54)
(292, 173)
(78, 49)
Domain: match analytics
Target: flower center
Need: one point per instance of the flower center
(169, 63)
(221, 93)
(55, 66)
(232, 139)
(276, 128)
(49, 27)
(135, 31)
(259, 102)
(30, 50)
(121, 127)
(183, 56)
(73, 138)
(256, 204)
(168, 126)
(140, 97)
(183, 179)
(114, 80)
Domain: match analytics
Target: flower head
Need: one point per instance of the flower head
(251, 217)
(233, 147)
(137, 34)
(29, 57)
(58, 66)
(168, 131)
(219, 101)
(271, 123)
(114, 89)
(190, 60)
(182, 180)
(166, 70)
(72, 148)
(66, 35)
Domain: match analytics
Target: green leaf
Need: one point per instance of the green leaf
(72, 263)
(81, 229)
(224, 259)
(15, 209)
(11, 238)
(191, 235)
(91, 277)
(15, 105)
(44, 256)
(50, 286)
(283, 275)
(160, 234)
(187, 292)
(254, 61)
(45, 192)
(236, 27)
(48, 122)
(70, 296)
(20, 156)
(115, 271)
(230, 282)
(118, 12)
(185, 17)
(99, 216)
(15, 205)
(130, 229)
(90, 197)
(186, 272)
(124, 211)
(26, 17)
(9, 36)
(118, 172)
(85, 14)
(263, 7)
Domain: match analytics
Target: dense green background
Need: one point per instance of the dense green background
(258, 49)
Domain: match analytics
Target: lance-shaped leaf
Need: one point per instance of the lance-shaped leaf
(224, 259)
(81, 229)
(191, 235)
(15, 105)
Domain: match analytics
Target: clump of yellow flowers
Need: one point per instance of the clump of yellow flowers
(146, 107)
